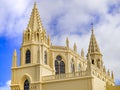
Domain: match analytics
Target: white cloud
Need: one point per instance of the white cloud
(7, 86)
(13, 17)
(76, 13)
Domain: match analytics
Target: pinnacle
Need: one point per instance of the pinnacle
(35, 5)
(92, 28)
(35, 22)
(15, 52)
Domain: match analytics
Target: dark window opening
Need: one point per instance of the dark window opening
(59, 65)
(26, 85)
(92, 61)
(79, 67)
(59, 58)
(56, 67)
(45, 57)
(28, 56)
(72, 66)
(62, 67)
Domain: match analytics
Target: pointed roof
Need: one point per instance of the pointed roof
(93, 46)
(35, 22)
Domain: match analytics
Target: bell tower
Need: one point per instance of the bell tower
(35, 43)
(94, 51)
(34, 56)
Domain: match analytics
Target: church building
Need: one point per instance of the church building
(44, 66)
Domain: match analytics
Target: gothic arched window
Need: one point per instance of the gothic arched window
(28, 55)
(79, 67)
(62, 67)
(26, 85)
(45, 57)
(59, 65)
(72, 66)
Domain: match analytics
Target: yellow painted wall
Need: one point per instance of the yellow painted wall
(98, 84)
(72, 84)
(113, 88)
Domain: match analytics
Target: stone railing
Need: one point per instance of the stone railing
(64, 76)
(58, 47)
(100, 74)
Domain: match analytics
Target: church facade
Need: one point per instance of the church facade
(44, 66)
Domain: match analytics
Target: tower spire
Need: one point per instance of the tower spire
(35, 22)
(94, 51)
(92, 28)
(93, 46)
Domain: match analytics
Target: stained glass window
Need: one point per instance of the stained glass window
(59, 65)
(62, 67)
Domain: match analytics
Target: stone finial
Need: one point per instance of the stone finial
(67, 42)
(104, 69)
(75, 47)
(112, 75)
(92, 28)
(82, 52)
(34, 4)
(14, 63)
(108, 72)
(89, 58)
(49, 42)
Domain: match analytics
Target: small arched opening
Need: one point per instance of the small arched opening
(26, 85)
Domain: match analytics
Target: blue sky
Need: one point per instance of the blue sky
(61, 18)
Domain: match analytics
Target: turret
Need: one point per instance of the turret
(14, 63)
(94, 51)
(36, 43)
